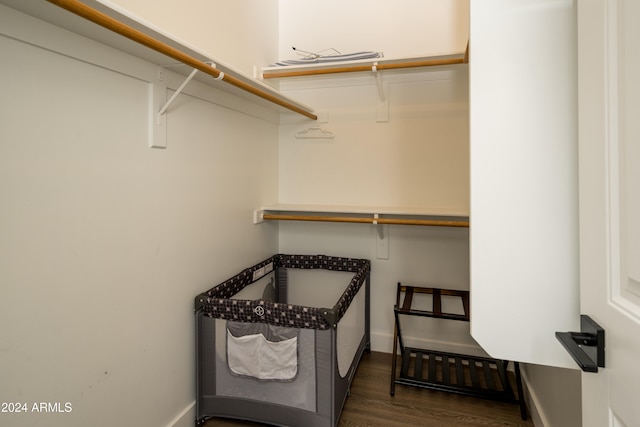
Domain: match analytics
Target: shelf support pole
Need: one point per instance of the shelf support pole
(374, 68)
(176, 93)
(382, 106)
(182, 86)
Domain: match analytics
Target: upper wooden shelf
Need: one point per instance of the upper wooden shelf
(107, 23)
(376, 64)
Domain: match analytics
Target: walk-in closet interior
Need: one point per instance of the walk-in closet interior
(150, 150)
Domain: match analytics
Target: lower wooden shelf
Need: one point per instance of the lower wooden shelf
(363, 214)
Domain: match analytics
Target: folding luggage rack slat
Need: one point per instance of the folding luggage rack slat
(455, 373)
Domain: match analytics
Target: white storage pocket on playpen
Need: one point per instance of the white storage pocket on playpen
(261, 351)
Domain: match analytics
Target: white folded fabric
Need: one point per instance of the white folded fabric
(320, 59)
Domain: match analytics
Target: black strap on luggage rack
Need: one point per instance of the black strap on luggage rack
(455, 373)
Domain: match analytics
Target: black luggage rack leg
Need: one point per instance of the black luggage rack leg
(454, 373)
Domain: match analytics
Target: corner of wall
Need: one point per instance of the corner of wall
(553, 395)
(185, 418)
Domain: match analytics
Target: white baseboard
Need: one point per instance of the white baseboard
(533, 402)
(186, 418)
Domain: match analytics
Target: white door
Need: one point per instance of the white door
(524, 178)
(609, 166)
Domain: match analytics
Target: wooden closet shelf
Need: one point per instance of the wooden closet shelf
(377, 64)
(362, 215)
(142, 39)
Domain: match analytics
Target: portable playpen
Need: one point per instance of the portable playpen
(279, 342)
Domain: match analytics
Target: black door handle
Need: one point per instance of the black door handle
(587, 346)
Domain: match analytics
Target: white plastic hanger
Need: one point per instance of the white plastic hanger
(315, 132)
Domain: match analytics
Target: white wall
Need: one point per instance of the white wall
(242, 34)
(418, 158)
(104, 241)
(398, 29)
(554, 395)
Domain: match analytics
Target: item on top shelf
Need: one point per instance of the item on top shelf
(318, 58)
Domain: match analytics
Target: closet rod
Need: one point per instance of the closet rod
(99, 18)
(395, 221)
(366, 67)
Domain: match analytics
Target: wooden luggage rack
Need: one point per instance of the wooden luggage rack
(455, 373)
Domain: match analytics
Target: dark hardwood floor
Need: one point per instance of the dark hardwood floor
(370, 404)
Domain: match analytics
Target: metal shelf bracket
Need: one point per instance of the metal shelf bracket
(158, 100)
(181, 88)
(382, 106)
